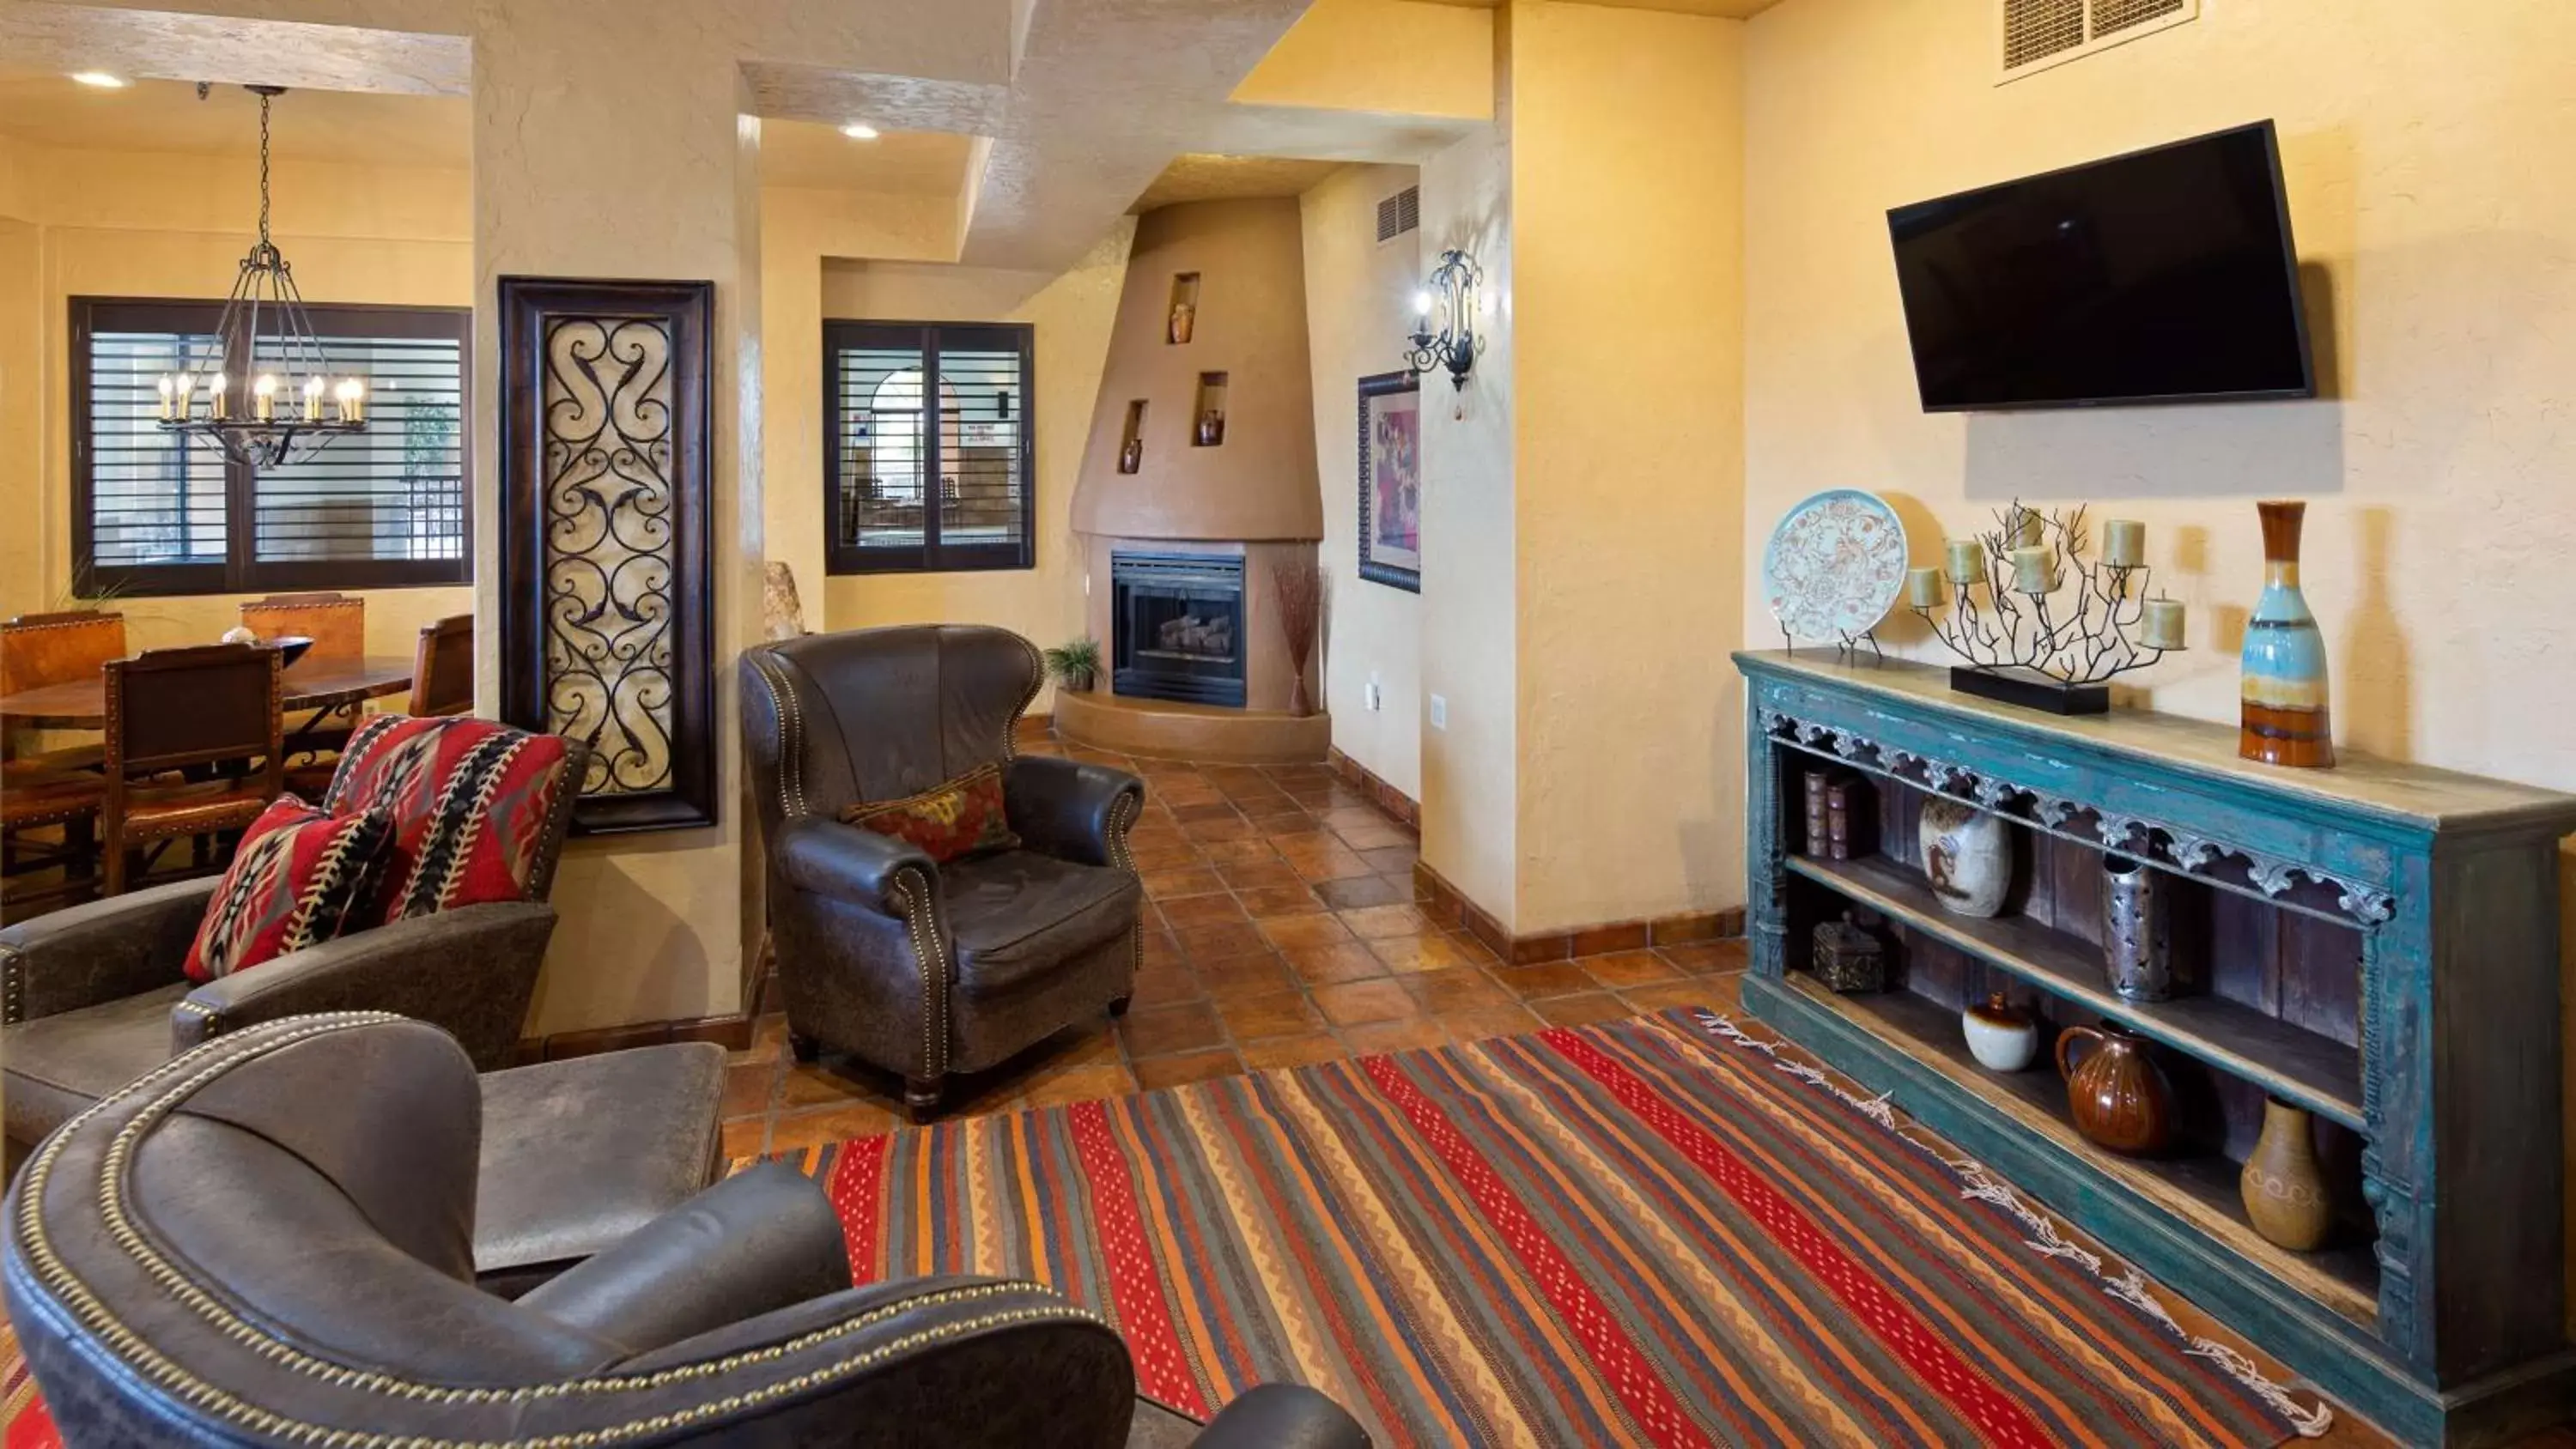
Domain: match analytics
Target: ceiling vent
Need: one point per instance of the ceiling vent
(2038, 34)
(1399, 214)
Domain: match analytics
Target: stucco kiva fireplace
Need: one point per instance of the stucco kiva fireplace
(1197, 484)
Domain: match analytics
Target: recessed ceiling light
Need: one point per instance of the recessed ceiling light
(859, 131)
(100, 79)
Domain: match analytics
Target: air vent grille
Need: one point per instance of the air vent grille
(1399, 214)
(2110, 17)
(2038, 34)
(2038, 29)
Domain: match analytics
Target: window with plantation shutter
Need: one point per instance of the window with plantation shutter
(384, 508)
(928, 447)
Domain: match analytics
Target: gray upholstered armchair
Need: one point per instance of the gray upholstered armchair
(94, 996)
(919, 968)
(269, 1242)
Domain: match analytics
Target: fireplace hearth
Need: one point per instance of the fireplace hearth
(1177, 619)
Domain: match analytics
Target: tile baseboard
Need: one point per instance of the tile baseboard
(1389, 799)
(1447, 903)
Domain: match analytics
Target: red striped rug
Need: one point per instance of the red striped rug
(1660, 1231)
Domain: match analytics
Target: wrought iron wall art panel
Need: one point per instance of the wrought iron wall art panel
(607, 594)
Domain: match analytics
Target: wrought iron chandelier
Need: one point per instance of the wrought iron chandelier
(1452, 295)
(264, 319)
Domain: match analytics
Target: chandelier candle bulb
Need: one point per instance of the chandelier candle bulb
(2124, 543)
(263, 394)
(168, 391)
(353, 401)
(2162, 628)
(219, 396)
(312, 399)
(1923, 588)
(1967, 562)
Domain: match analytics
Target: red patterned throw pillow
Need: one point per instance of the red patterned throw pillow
(300, 877)
(470, 801)
(962, 817)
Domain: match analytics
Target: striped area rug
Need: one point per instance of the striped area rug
(1660, 1231)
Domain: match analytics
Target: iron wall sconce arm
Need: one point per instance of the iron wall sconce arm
(1450, 299)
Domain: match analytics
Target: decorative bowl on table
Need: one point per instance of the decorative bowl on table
(292, 647)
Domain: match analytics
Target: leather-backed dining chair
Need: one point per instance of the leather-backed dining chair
(50, 797)
(65, 648)
(336, 623)
(270, 1242)
(442, 671)
(212, 707)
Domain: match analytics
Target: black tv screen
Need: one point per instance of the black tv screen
(2165, 275)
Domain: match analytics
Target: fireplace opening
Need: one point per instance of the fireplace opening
(1178, 625)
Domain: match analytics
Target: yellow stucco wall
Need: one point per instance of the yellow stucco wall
(147, 225)
(2438, 250)
(1359, 300)
(1073, 314)
(1627, 165)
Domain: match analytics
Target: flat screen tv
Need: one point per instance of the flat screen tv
(2162, 276)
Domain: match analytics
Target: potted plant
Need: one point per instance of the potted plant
(1075, 663)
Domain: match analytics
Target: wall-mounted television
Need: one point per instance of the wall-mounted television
(2163, 276)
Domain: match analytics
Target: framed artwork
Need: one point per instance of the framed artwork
(607, 595)
(1391, 480)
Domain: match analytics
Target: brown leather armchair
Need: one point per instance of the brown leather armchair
(94, 996)
(268, 1242)
(923, 969)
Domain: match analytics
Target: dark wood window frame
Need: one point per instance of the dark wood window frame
(241, 571)
(931, 555)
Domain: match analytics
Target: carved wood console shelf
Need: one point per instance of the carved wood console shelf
(2375, 944)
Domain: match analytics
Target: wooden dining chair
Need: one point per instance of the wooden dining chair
(213, 708)
(442, 670)
(336, 623)
(41, 649)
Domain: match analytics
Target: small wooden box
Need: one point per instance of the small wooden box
(1849, 959)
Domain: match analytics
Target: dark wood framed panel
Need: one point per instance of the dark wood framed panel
(607, 590)
(387, 508)
(929, 446)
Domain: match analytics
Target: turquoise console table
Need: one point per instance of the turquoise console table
(2376, 943)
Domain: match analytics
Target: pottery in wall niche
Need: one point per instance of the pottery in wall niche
(1967, 856)
(2116, 1093)
(2284, 1189)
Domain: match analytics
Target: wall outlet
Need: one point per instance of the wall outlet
(1439, 712)
(1372, 696)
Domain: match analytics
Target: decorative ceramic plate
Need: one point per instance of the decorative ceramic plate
(1834, 565)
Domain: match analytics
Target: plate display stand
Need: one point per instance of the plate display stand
(2375, 944)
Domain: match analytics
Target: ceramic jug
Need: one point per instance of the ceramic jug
(2116, 1093)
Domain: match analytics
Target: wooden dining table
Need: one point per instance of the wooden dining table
(311, 684)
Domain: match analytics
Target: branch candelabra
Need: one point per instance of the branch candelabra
(2054, 626)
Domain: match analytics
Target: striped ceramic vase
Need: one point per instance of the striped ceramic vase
(2284, 686)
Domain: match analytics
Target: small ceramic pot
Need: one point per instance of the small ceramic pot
(2137, 946)
(2284, 1189)
(2116, 1093)
(2001, 1036)
(1967, 856)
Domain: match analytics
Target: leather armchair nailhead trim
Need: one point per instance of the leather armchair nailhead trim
(216, 1058)
(791, 734)
(13, 985)
(920, 920)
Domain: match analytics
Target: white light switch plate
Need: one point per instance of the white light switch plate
(1439, 712)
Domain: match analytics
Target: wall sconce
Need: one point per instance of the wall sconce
(1450, 300)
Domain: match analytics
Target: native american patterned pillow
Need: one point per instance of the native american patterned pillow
(469, 798)
(300, 877)
(961, 817)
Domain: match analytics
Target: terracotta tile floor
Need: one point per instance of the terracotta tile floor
(1281, 930)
